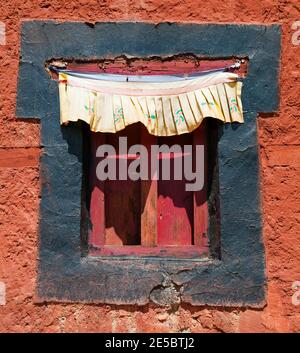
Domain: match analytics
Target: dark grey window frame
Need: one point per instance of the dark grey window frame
(64, 274)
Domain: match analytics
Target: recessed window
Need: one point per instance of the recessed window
(152, 217)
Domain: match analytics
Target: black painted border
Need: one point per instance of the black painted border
(63, 274)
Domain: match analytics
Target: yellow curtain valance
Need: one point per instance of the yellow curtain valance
(165, 108)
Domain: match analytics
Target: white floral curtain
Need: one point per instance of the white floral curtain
(165, 108)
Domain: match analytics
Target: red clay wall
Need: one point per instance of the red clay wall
(19, 179)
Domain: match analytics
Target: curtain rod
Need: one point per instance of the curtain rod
(144, 78)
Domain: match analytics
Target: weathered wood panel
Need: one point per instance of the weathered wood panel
(201, 215)
(175, 204)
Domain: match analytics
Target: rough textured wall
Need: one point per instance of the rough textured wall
(19, 181)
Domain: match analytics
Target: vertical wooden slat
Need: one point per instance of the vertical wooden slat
(97, 203)
(148, 197)
(200, 197)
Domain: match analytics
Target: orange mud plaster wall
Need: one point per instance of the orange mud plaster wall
(19, 181)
